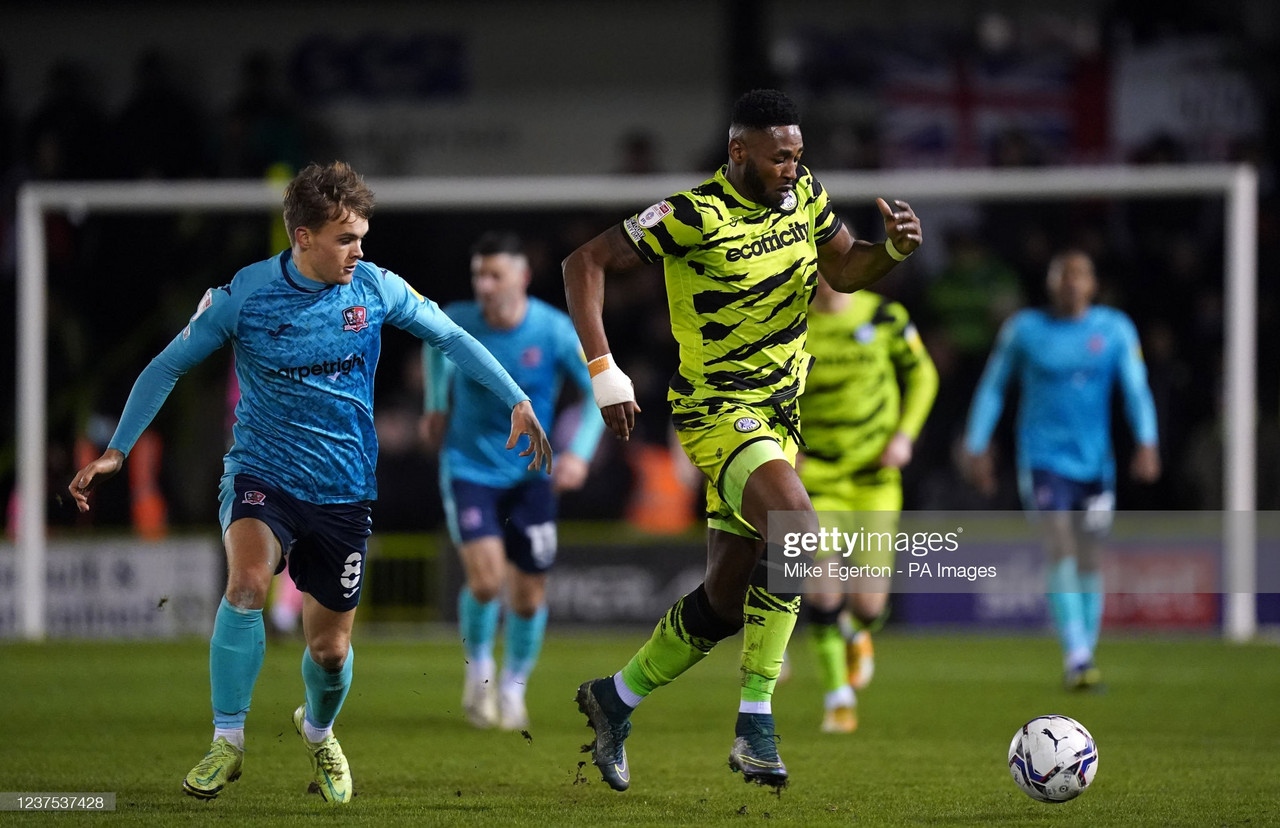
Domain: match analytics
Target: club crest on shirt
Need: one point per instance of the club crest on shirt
(355, 318)
(655, 214)
(254, 498)
(746, 424)
(531, 357)
(865, 333)
(1096, 344)
(788, 202)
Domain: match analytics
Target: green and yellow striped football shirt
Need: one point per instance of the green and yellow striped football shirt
(871, 377)
(739, 278)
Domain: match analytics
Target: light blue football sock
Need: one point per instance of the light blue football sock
(1093, 598)
(236, 651)
(1067, 609)
(326, 691)
(478, 626)
(523, 643)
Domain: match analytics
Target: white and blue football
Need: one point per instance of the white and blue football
(1053, 758)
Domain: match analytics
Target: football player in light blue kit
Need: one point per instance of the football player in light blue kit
(306, 328)
(1067, 359)
(500, 515)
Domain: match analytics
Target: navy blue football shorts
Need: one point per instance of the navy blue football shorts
(323, 544)
(1094, 500)
(524, 516)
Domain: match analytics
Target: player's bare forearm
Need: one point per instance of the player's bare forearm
(849, 264)
(584, 273)
(88, 478)
(980, 470)
(1145, 467)
(861, 266)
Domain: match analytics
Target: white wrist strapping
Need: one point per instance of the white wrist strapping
(608, 384)
(894, 252)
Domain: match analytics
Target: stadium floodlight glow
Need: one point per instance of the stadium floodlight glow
(1238, 185)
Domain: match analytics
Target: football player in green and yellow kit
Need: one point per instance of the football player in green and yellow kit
(871, 387)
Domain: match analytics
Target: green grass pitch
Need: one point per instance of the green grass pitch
(1188, 734)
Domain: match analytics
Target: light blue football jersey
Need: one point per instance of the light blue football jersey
(540, 353)
(1066, 369)
(305, 357)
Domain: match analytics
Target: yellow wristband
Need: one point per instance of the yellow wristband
(893, 251)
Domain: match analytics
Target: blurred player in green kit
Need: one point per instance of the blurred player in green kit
(871, 389)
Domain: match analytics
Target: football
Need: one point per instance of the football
(1053, 758)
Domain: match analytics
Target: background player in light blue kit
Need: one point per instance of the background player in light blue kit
(306, 328)
(1067, 360)
(501, 515)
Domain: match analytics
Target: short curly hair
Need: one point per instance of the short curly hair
(764, 108)
(321, 193)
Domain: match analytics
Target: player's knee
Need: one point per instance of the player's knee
(485, 590)
(867, 608)
(329, 652)
(527, 599)
(247, 588)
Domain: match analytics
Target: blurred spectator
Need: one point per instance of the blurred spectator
(1155, 223)
(263, 126)
(1170, 380)
(8, 123)
(9, 175)
(638, 153)
(67, 137)
(1202, 470)
(969, 299)
(1023, 235)
(161, 130)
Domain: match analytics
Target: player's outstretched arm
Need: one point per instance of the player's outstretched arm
(849, 264)
(99, 471)
(584, 271)
(524, 421)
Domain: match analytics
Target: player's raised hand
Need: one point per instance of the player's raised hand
(901, 226)
(524, 421)
(88, 478)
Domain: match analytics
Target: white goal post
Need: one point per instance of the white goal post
(1238, 185)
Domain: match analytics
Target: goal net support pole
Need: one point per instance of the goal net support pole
(1238, 185)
